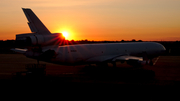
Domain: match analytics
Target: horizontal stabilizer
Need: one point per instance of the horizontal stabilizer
(18, 50)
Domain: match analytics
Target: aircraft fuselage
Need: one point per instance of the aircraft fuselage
(93, 53)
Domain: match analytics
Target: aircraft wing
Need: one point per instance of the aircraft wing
(114, 58)
(102, 58)
(126, 58)
(18, 50)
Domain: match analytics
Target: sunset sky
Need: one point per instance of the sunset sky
(147, 20)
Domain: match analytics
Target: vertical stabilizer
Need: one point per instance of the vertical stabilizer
(34, 23)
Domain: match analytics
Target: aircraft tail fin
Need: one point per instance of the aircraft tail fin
(34, 22)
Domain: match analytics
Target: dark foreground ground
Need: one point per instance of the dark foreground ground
(146, 83)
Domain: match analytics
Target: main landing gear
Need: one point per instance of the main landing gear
(33, 70)
(151, 62)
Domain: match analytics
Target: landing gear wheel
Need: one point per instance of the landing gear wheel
(151, 63)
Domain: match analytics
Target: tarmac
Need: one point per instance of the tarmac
(160, 78)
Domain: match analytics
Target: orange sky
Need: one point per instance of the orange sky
(148, 20)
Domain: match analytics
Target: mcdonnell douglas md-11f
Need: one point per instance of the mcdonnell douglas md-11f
(44, 46)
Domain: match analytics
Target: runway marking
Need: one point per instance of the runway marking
(156, 60)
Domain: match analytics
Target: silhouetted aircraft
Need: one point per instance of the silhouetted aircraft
(44, 46)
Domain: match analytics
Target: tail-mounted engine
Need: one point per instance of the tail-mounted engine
(40, 40)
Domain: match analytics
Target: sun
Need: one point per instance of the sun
(65, 34)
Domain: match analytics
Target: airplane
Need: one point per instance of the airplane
(44, 46)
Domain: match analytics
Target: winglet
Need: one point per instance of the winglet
(35, 23)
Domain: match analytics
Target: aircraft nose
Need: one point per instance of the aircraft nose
(163, 49)
(160, 49)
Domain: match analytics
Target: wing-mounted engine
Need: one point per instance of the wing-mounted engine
(34, 39)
